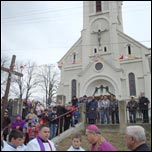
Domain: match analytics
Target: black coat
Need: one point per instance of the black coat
(143, 103)
(92, 109)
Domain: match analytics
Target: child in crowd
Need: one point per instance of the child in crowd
(76, 115)
(76, 142)
(22, 147)
(32, 130)
(15, 139)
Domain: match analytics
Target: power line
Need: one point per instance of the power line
(44, 19)
(50, 11)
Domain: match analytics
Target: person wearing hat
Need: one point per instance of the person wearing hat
(18, 123)
(132, 107)
(98, 142)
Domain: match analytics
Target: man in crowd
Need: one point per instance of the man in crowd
(41, 142)
(136, 138)
(143, 106)
(132, 107)
(15, 139)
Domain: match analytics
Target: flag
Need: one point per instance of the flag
(21, 67)
(121, 57)
(60, 65)
(96, 60)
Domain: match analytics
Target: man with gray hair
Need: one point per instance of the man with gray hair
(136, 138)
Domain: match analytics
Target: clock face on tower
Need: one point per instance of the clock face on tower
(98, 66)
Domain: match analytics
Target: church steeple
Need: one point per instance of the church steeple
(101, 22)
(112, 10)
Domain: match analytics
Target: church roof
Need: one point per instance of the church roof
(70, 50)
(131, 39)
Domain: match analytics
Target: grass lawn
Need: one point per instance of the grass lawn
(115, 138)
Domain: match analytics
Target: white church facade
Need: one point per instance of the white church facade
(104, 57)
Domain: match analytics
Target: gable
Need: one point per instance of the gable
(137, 49)
(107, 62)
(73, 56)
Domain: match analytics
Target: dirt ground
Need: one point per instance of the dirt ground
(115, 138)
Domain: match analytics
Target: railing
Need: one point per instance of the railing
(60, 117)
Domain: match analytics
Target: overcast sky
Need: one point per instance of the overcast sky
(43, 31)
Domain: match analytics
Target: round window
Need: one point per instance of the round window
(98, 66)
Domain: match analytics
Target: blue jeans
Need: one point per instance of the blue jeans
(132, 116)
(103, 114)
(73, 121)
(53, 129)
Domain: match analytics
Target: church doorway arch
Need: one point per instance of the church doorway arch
(100, 86)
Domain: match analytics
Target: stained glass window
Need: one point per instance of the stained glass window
(74, 87)
(132, 85)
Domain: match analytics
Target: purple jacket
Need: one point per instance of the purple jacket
(18, 123)
(104, 146)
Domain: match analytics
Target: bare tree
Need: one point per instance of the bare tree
(27, 83)
(49, 82)
(31, 80)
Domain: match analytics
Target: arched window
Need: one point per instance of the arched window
(105, 49)
(74, 88)
(129, 49)
(98, 6)
(95, 50)
(74, 58)
(132, 84)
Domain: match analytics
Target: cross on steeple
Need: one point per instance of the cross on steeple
(10, 71)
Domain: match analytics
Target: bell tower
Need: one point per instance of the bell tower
(110, 9)
(101, 22)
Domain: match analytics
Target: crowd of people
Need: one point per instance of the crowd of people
(141, 106)
(135, 140)
(59, 118)
(36, 126)
(105, 109)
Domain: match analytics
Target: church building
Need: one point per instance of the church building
(105, 60)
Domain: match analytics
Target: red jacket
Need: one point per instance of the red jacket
(32, 131)
(73, 109)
